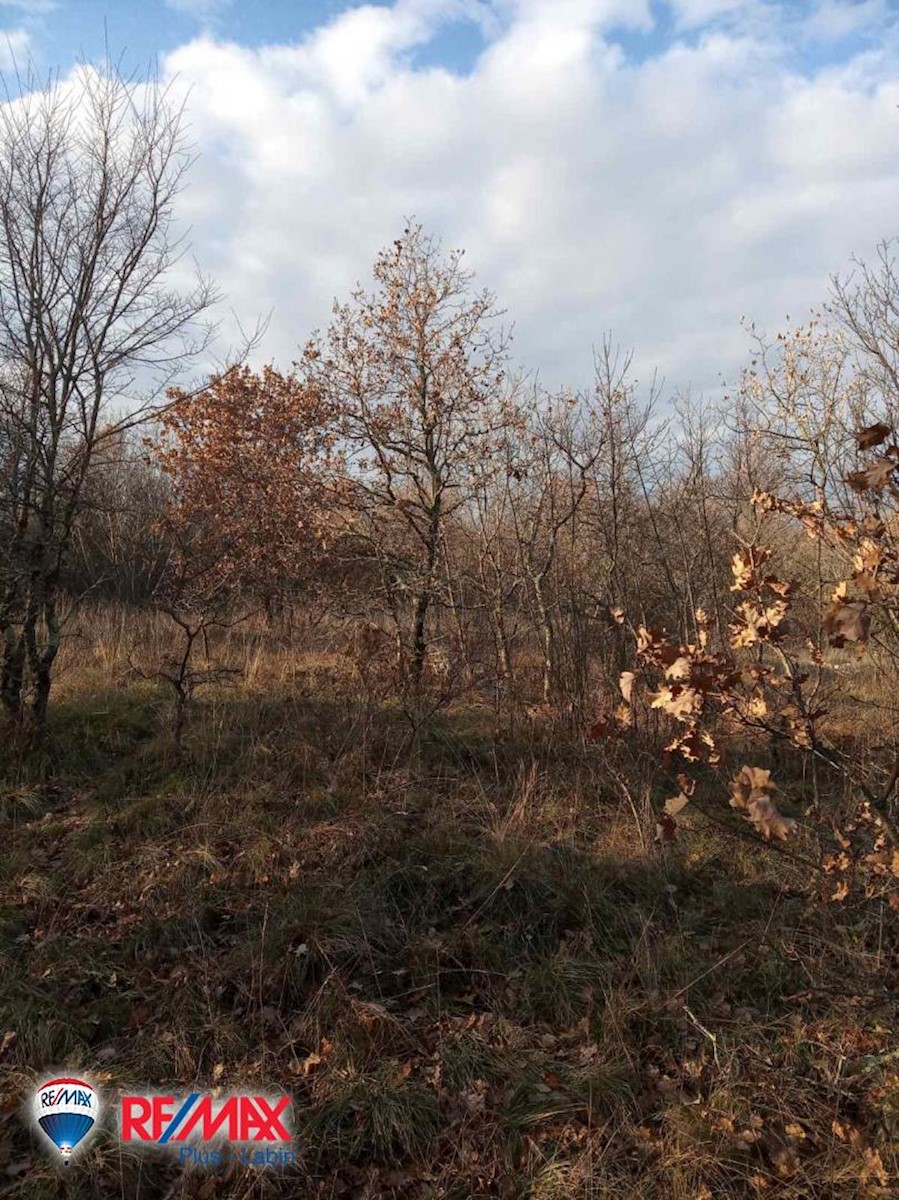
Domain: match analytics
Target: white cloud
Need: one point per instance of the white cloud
(15, 46)
(661, 199)
(835, 19)
(31, 8)
(690, 13)
(567, 13)
(203, 10)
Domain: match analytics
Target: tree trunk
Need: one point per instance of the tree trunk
(419, 637)
(503, 654)
(425, 596)
(43, 676)
(547, 639)
(12, 675)
(40, 661)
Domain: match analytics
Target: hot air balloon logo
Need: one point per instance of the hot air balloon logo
(66, 1110)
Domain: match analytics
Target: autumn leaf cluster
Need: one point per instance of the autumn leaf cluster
(249, 457)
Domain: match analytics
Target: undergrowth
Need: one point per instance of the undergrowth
(463, 957)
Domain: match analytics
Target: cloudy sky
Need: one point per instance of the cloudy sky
(656, 169)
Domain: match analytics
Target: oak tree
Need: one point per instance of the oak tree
(416, 371)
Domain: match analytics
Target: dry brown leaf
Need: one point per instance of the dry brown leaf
(745, 782)
(648, 638)
(872, 435)
(873, 1168)
(666, 828)
(873, 527)
(676, 804)
(873, 478)
(868, 583)
(750, 791)
(799, 731)
(686, 784)
(781, 587)
(786, 1161)
(755, 625)
(869, 556)
(602, 727)
(846, 621)
(775, 613)
(762, 812)
(309, 1063)
(682, 703)
(693, 745)
(745, 565)
(679, 669)
(653, 646)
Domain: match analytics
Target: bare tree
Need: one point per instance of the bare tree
(92, 327)
(119, 546)
(548, 476)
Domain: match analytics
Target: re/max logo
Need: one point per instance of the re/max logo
(161, 1119)
(65, 1095)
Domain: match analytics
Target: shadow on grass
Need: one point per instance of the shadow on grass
(449, 952)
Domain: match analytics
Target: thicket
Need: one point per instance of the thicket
(687, 580)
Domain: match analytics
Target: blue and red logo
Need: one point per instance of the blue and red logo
(258, 1126)
(204, 1129)
(66, 1110)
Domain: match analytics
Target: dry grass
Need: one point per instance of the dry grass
(456, 954)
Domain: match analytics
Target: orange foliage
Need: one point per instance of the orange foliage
(250, 457)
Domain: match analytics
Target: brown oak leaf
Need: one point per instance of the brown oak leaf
(872, 435)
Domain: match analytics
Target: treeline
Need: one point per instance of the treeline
(466, 532)
(488, 549)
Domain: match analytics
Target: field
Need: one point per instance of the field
(464, 720)
(462, 953)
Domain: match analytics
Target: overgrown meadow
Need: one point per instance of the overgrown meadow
(510, 777)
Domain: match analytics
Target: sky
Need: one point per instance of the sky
(653, 170)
